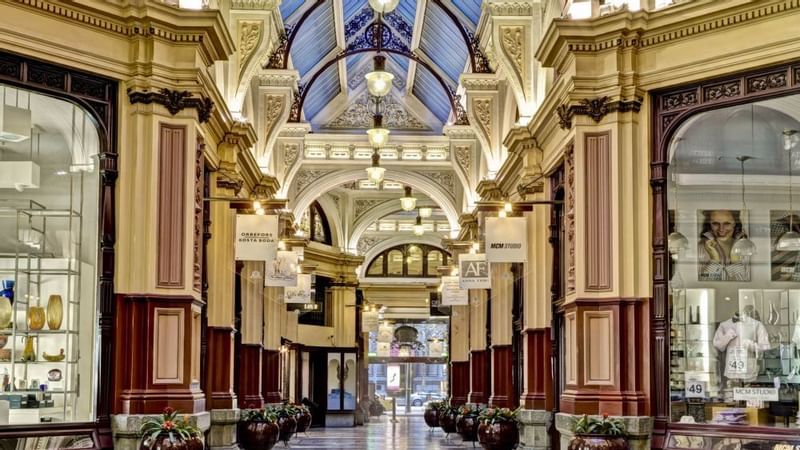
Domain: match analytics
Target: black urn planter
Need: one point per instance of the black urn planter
(467, 427)
(287, 426)
(498, 436)
(598, 442)
(303, 419)
(432, 418)
(163, 442)
(258, 435)
(447, 421)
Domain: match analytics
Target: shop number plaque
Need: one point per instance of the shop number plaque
(696, 389)
(737, 361)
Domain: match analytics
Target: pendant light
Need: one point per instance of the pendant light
(425, 212)
(378, 135)
(789, 241)
(379, 81)
(407, 202)
(419, 230)
(375, 172)
(743, 246)
(676, 241)
(383, 6)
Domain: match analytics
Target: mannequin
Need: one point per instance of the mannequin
(742, 337)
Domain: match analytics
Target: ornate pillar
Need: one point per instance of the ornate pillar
(343, 302)
(501, 357)
(459, 354)
(270, 359)
(251, 281)
(480, 374)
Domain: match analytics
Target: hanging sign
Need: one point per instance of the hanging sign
(256, 237)
(385, 333)
(474, 272)
(452, 294)
(393, 377)
(755, 394)
(383, 348)
(300, 293)
(282, 271)
(369, 321)
(506, 239)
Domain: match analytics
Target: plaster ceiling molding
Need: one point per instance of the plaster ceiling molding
(364, 205)
(290, 153)
(250, 34)
(305, 177)
(261, 5)
(359, 115)
(463, 154)
(279, 78)
(297, 130)
(366, 243)
(444, 179)
(482, 108)
(473, 83)
(273, 105)
(512, 43)
(513, 8)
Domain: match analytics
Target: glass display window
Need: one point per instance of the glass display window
(735, 272)
(49, 196)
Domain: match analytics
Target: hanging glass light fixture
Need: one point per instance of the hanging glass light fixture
(743, 246)
(378, 135)
(379, 81)
(375, 172)
(418, 229)
(407, 202)
(789, 241)
(425, 212)
(676, 241)
(383, 6)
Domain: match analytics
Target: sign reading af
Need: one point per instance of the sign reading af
(474, 270)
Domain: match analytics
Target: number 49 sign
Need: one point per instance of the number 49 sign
(696, 389)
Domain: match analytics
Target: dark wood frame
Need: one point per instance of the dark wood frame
(98, 97)
(313, 211)
(671, 108)
(558, 291)
(403, 248)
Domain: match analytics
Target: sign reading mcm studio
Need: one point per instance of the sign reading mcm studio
(256, 237)
(506, 239)
(474, 272)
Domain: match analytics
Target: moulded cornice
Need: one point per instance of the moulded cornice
(297, 130)
(266, 5)
(511, 8)
(279, 78)
(480, 82)
(459, 132)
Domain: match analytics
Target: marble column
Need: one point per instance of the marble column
(501, 302)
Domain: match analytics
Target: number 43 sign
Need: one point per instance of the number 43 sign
(696, 389)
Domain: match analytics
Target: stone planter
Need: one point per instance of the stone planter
(447, 422)
(432, 418)
(287, 426)
(303, 421)
(163, 442)
(498, 436)
(598, 442)
(258, 435)
(467, 427)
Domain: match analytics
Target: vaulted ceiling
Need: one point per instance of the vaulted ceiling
(337, 99)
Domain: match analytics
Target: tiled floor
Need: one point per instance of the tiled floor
(408, 433)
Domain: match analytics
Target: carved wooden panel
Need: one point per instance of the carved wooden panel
(598, 208)
(168, 336)
(171, 211)
(569, 215)
(571, 350)
(599, 355)
(199, 166)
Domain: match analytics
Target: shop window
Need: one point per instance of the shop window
(376, 267)
(735, 296)
(49, 206)
(395, 263)
(435, 260)
(414, 261)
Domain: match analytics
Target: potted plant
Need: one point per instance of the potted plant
(467, 423)
(258, 429)
(303, 418)
(447, 418)
(432, 414)
(599, 433)
(286, 421)
(498, 429)
(167, 431)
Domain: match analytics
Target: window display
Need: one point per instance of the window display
(49, 192)
(735, 296)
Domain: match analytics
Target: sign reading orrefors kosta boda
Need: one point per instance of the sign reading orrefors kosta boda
(256, 237)
(506, 239)
(474, 270)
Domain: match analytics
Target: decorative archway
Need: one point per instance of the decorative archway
(373, 214)
(428, 239)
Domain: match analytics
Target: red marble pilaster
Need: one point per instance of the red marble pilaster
(249, 360)
(479, 379)
(270, 375)
(459, 382)
(538, 389)
(502, 388)
(219, 368)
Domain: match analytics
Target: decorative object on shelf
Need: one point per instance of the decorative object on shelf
(7, 290)
(498, 429)
(595, 434)
(3, 340)
(6, 312)
(258, 429)
(5, 355)
(28, 353)
(54, 358)
(167, 431)
(54, 375)
(36, 318)
(467, 423)
(55, 312)
(774, 314)
(432, 414)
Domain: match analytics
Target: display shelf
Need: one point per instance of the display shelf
(40, 362)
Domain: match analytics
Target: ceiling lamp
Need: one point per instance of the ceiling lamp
(790, 139)
(383, 6)
(407, 202)
(378, 135)
(425, 212)
(789, 241)
(676, 241)
(419, 230)
(379, 81)
(743, 246)
(375, 172)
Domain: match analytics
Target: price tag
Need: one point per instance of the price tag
(696, 389)
(737, 361)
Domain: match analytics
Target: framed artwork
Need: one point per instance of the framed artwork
(718, 231)
(785, 266)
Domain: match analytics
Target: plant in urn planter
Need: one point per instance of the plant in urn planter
(498, 429)
(258, 429)
(447, 418)
(167, 431)
(286, 421)
(467, 423)
(602, 433)
(432, 414)
(303, 418)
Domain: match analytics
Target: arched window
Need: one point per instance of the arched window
(395, 263)
(376, 267)
(414, 261)
(320, 229)
(435, 259)
(408, 260)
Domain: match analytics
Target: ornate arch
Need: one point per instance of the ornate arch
(429, 239)
(371, 215)
(331, 210)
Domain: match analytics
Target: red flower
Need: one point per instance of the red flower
(605, 415)
(168, 425)
(169, 410)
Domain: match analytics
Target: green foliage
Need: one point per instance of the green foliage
(470, 410)
(167, 424)
(493, 415)
(447, 408)
(604, 426)
(284, 410)
(435, 405)
(258, 415)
